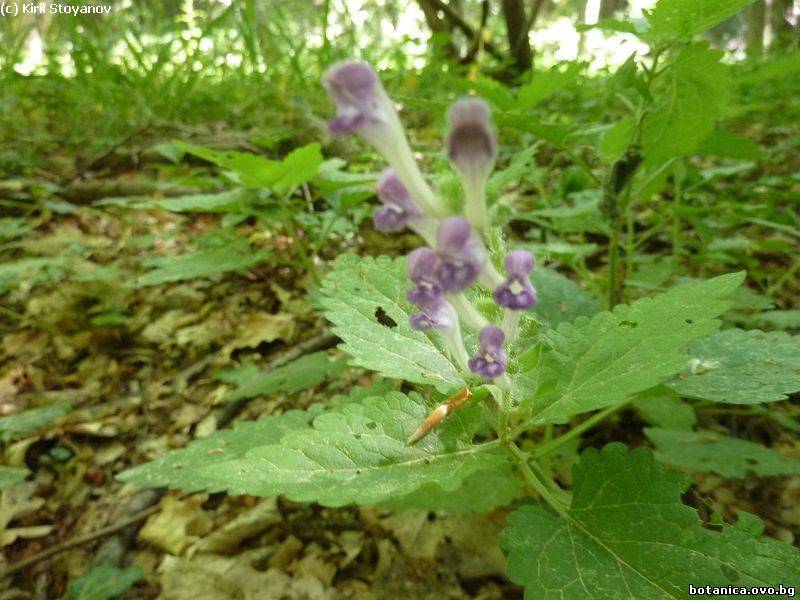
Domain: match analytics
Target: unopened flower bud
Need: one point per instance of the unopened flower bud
(490, 361)
(516, 291)
(472, 148)
(471, 140)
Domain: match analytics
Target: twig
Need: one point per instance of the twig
(79, 541)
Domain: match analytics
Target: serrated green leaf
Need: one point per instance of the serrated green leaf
(103, 582)
(300, 374)
(480, 492)
(560, 298)
(234, 256)
(727, 145)
(554, 133)
(590, 364)
(661, 407)
(683, 19)
(544, 83)
(628, 535)
(616, 140)
(12, 426)
(300, 165)
(697, 90)
(358, 453)
(708, 452)
(742, 367)
(354, 294)
(256, 171)
(181, 469)
(11, 476)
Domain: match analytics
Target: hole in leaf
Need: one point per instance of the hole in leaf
(628, 324)
(357, 436)
(689, 321)
(384, 319)
(371, 425)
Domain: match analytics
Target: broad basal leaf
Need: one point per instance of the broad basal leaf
(364, 298)
(708, 452)
(181, 468)
(628, 535)
(358, 453)
(697, 90)
(662, 407)
(741, 367)
(480, 492)
(600, 362)
(682, 19)
(301, 374)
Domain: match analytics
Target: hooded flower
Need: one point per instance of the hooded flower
(363, 107)
(435, 314)
(516, 291)
(471, 140)
(461, 255)
(490, 361)
(398, 207)
(422, 266)
(355, 89)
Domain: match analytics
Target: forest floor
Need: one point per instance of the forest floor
(133, 371)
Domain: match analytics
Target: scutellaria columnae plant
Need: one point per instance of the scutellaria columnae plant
(498, 376)
(457, 257)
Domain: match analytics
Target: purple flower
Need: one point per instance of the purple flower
(422, 266)
(436, 314)
(398, 206)
(461, 255)
(491, 358)
(471, 140)
(355, 89)
(516, 291)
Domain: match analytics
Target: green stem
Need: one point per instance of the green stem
(549, 447)
(677, 249)
(533, 480)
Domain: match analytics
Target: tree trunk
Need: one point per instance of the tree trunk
(609, 8)
(756, 21)
(517, 26)
(440, 28)
(783, 32)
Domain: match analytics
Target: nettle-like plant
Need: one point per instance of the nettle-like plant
(500, 377)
